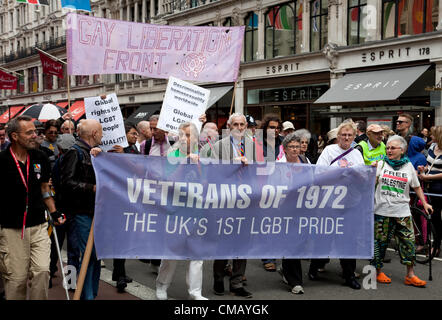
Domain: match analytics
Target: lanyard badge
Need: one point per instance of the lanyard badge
(25, 183)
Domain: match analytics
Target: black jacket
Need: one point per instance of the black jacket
(77, 179)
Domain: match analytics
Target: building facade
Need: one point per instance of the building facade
(294, 53)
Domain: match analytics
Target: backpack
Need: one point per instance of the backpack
(56, 176)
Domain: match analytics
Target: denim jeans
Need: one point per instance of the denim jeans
(82, 228)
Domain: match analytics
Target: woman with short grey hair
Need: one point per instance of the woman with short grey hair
(394, 176)
(291, 270)
(304, 135)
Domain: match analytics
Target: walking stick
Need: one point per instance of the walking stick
(65, 285)
(85, 262)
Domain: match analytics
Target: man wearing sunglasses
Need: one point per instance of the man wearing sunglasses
(404, 126)
(49, 145)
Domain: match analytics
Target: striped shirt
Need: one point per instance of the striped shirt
(431, 158)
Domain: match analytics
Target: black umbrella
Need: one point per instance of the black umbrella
(44, 112)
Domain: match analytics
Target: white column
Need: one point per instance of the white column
(143, 11)
(239, 97)
(26, 72)
(306, 27)
(160, 6)
(40, 79)
(261, 35)
(438, 109)
(335, 121)
(54, 82)
(136, 9)
(439, 26)
(337, 20)
(152, 8)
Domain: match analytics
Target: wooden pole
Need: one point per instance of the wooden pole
(69, 92)
(9, 71)
(85, 263)
(49, 55)
(233, 98)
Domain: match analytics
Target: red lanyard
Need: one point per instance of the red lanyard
(25, 182)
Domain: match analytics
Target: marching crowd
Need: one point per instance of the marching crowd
(47, 176)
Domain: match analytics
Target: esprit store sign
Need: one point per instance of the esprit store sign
(395, 54)
(372, 85)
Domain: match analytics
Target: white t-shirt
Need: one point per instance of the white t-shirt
(331, 152)
(392, 196)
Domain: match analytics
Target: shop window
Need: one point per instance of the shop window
(284, 30)
(408, 17)
(356, 27)
(48, 82)
(251, 37)
(62, 82)
(318, 24)
(21, 82)
(228, 22)
(33, 79)
(81, 80)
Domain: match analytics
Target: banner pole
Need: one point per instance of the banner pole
(49, 55)
(233, 98)
(85, 263)
(9, 71)
(69, 92)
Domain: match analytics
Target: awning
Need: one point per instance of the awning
(4, 118)
(382, 85)
(63, 104)
(77, 110)
(143, 113)
(216, 94)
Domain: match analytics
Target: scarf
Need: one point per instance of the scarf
(397, 164)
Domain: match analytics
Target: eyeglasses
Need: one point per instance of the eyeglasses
(29, 133)
(272, 127)
(393, 148)
(293, 147)
(401, 121)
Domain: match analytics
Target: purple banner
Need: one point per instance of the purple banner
(147, 207)
(104, 46)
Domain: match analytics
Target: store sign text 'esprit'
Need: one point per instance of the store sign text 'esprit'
(372, 85)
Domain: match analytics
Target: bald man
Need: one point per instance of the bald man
(144, 133)
(79, 186)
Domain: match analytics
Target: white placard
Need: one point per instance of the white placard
(183, 102)
(108, 113)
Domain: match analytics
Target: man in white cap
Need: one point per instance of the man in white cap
(287, 127)
(373, 150)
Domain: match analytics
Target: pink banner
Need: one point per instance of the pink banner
(103, 46)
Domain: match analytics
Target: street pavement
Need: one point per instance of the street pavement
(269, 285)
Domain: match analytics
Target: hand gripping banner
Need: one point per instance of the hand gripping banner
(103, 46)
(148, 207)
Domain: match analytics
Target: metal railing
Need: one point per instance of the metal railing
(53, 43)
(181, 5)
